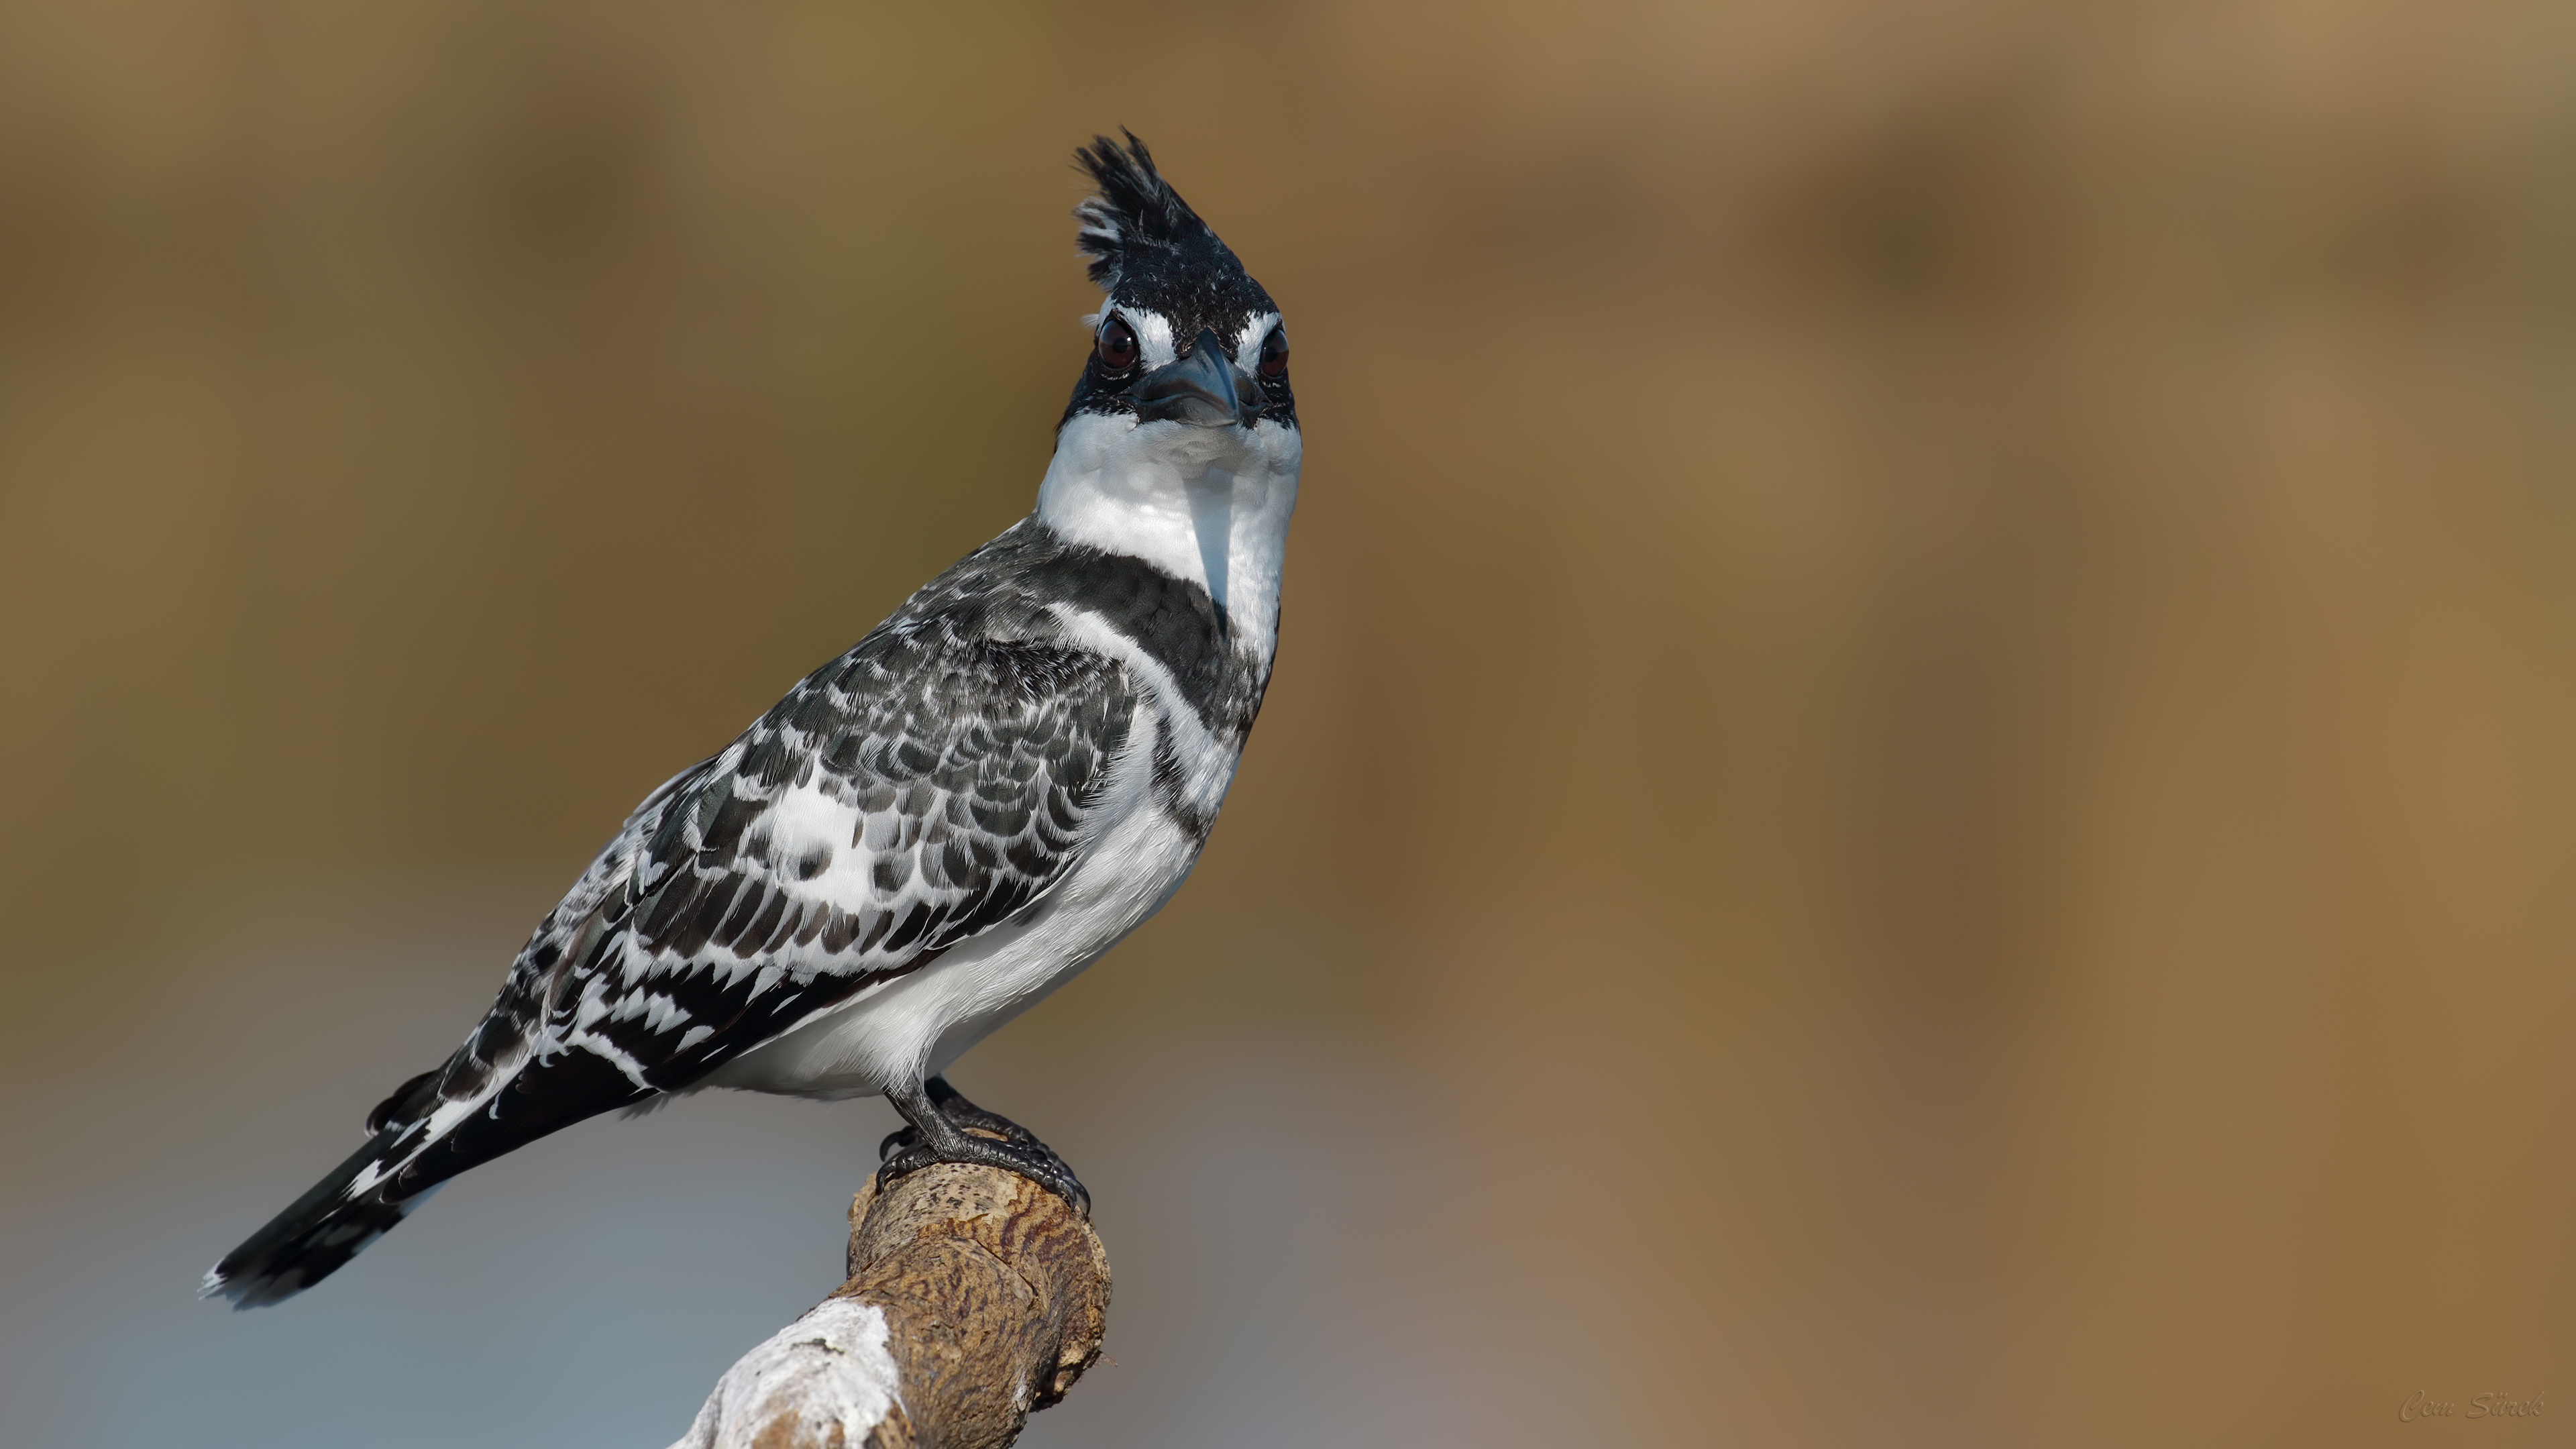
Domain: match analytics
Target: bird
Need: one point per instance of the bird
(938, 828)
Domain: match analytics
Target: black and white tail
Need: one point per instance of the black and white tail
(433, 1127)
(321, 1230)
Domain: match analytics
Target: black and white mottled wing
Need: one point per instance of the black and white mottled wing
(898, 802)
(925, 787)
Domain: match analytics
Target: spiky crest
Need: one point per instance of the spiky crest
(1135, 212)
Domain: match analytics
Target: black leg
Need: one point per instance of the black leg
(948, 1128)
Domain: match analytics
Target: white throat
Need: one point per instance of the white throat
(1209, 505)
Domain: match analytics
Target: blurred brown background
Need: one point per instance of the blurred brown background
(1919, 790)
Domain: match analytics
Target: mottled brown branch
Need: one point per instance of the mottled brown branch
(975, 1297)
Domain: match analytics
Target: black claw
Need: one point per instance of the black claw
(954, 1106)
(1037, 1164)
(967, 1133)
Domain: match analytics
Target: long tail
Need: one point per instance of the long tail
(321, 1230)
(421, 1138)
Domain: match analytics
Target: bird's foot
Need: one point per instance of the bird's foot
(960, 1131)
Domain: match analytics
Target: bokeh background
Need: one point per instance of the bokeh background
(1919, 791)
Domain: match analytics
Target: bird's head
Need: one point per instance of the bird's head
(1181, 444)
(1186, 336)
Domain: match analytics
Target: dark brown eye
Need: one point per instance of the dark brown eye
(1117, 345)
(1274, 353)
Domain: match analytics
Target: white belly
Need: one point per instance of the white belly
(903, 1030)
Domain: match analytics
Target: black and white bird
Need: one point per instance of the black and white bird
(935, 830)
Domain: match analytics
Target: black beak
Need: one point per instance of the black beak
(1202, 390)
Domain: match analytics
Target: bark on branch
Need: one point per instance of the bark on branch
(975, 1297)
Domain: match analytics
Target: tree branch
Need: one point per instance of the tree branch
(975, 1298)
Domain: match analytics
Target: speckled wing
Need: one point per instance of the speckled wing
(906, 797)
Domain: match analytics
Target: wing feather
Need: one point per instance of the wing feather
(920, 790)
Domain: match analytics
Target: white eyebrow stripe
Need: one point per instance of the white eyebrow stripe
(1247, 353)
(1159, 346)
(1153, 333)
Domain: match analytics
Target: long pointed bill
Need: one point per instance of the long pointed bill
(1202, 390)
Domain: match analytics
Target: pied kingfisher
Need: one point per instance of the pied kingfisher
(936, 829)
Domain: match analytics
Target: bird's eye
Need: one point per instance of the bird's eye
(1117, 345)
(1274, 353)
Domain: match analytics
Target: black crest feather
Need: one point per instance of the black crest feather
(1135, 212)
